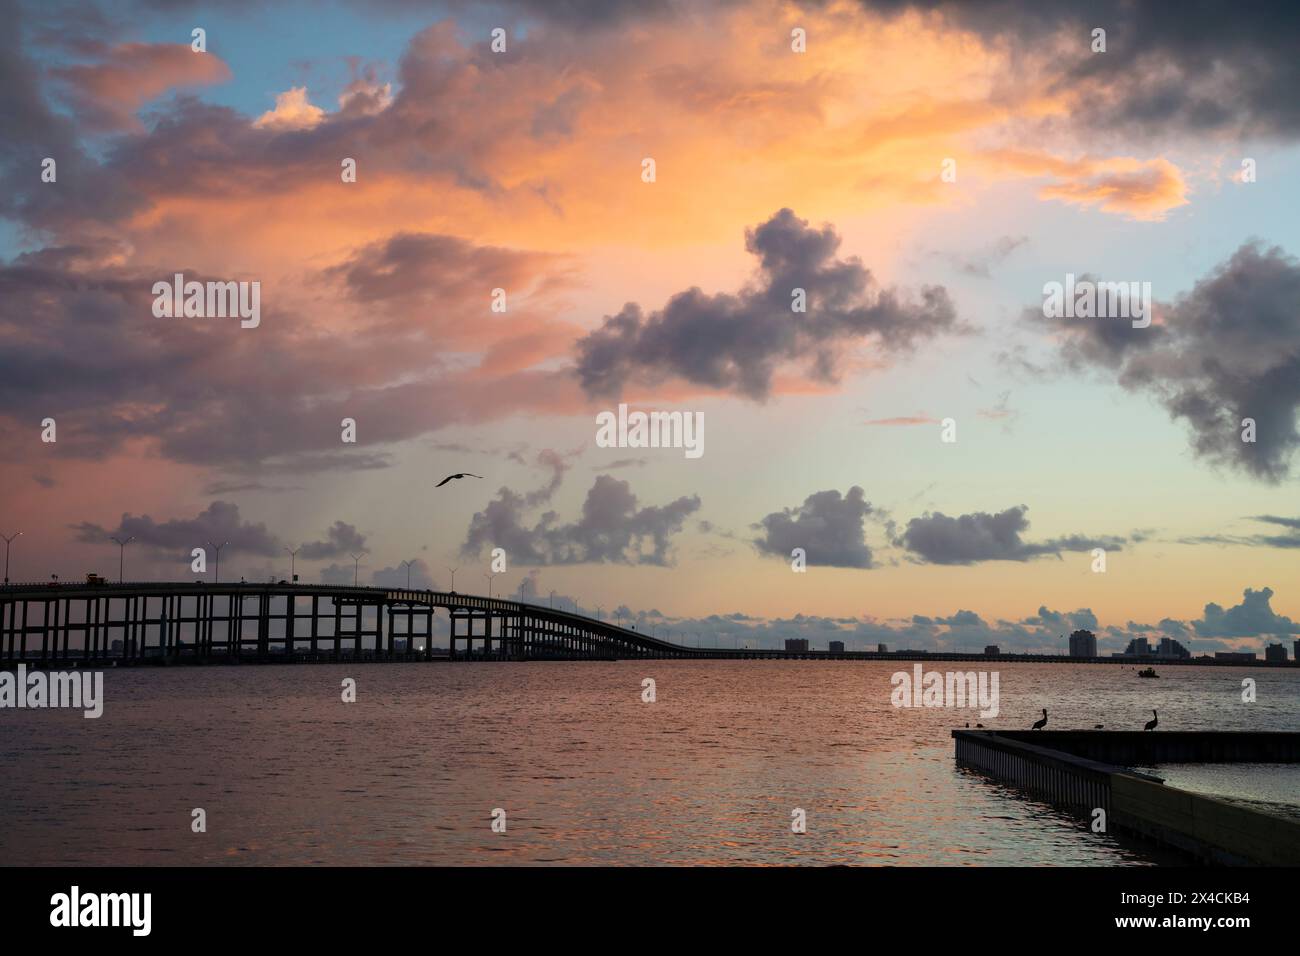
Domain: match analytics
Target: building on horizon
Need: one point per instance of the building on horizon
(1297, 650)
(884, 648)
(1138, 647)
(796, 645)
(1083, 644)
(1275, 652)
(836, 647)
(1237, 656)
(1171, 648)
(991, 650)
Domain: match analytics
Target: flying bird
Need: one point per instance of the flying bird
(463, 474)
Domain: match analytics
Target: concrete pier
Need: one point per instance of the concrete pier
(1082, 771)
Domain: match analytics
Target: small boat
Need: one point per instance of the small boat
(1148, 672)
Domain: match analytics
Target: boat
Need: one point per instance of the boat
(1148, 672)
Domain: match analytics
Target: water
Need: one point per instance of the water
(710, 773)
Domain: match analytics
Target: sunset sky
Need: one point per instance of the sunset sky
(1171, 158)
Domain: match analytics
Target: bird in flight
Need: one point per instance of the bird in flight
(463, 474)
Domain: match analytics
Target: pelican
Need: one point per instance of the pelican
(463, 474)
(1155, 719)
(1098, 726)
(1040, 724)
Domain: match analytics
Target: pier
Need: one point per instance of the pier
(1083, 771)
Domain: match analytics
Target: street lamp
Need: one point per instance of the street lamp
(453, 577)
(121, 554)
(8, 539)
(216, 567)
(356, 566)
(552, 599)
(292, 568)
(408, 573)
(490, 575)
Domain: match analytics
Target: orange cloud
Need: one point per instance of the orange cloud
(1140, 189)
(106, 95)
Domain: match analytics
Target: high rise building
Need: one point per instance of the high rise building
(1171, 648)
(1083, 644)
(1275, 652)
(1139, 647)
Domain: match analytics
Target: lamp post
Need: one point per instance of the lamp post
(552, 599)
(293, 576)
(216, 567)
(8, 539)
(356, 566)
(490, 575)
(408, 573)
(453, 577)
(121, 554)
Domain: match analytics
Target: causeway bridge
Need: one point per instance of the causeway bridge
(154, 622)
(151, 622)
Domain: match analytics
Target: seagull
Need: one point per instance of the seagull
(463, 474)
(1040, 724)
(1151, 724)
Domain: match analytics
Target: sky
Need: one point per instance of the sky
(919, 456)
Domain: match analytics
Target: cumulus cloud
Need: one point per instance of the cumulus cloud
(218, 523)
(1083, 618)
(293, 110)
(830, 527)
(736, 343)
(613, 528)
(936, 538)
(1253, 617)
(341, 538)
(1226, 351)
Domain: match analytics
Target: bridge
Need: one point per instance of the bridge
(153, 622)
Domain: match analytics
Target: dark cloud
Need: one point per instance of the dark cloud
(1253, 617)
(265, 400)
(737, 342)
(409, 268)
(1225, 351)
(219, 522)
(1290, 539)
(612, 528)
(830, 527)
(1201, 68)
(936, 538)
(342, 538)
(1063, 620)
